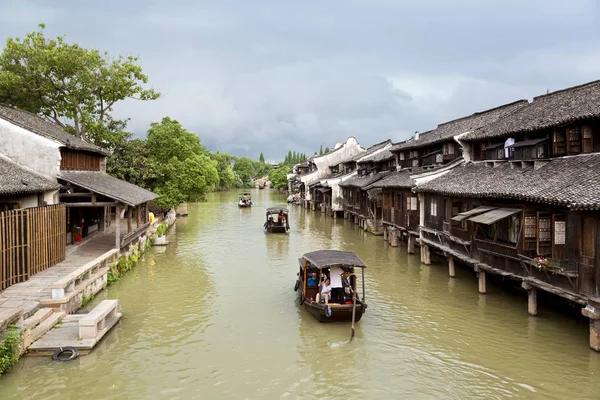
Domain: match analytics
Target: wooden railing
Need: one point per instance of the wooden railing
(497, 249)
(31, 240)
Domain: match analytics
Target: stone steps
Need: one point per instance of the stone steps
(9, 316)
(42, 328)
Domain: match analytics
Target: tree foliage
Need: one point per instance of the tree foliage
(261, 158)
(227, 178)
(66, 82)
(186, 170)
(278, 177)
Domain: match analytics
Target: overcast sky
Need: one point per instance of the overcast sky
(273, 75)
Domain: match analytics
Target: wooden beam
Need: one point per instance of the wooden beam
(99, 204)
(76, 194)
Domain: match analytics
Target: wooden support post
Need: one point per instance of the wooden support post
(426, 254)
(451, 270)
(593, 313)
(411, 244)
(129, 219)
(481, 277)
(138, 216)
(355, 220)
(102, 223)
(394, 237)
(335, 215)
(117, 227)
(385, 233)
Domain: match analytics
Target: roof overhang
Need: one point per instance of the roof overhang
(495, 215)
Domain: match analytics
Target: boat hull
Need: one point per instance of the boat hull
(276, 229)
(339, 313)
(244, 206)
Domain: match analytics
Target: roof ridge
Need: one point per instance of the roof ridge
(577, 87)
(484, 112)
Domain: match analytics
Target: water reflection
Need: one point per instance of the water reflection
(214, 315)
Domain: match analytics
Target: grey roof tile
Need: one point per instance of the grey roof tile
(547, 111)
(15, 179)
(109, 186)
(569, 181)
(47, 129)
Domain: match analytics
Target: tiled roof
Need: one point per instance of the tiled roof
(383, 155)
(363, 181)
(15, 179)
(448, 130)
(394, 180)
(547, 111)
(369, 151)
(47, 129)
(109, 186)
(569, 181)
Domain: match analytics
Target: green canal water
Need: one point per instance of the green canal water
(214, 316)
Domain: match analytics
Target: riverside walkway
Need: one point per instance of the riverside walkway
(28, 295)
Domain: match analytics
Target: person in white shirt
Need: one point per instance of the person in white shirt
(325, 291)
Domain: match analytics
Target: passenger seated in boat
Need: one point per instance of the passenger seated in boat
(325, 291)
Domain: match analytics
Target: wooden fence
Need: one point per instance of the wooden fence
(31, 240)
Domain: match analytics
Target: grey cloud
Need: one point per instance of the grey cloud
(271, 76)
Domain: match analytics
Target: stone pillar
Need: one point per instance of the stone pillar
(451, 270)
(117, 227)
(593, 313)
(481, 279)
(531, 298)
(394, 237)
(385, 233)
(355, 220)
(335, 215)
(426, 254)
(411, 244)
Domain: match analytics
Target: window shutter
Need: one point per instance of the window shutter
(544, 237)
(529, 230)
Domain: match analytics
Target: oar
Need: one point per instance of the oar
(353, 313)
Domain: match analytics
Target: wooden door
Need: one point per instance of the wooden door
(587, 266)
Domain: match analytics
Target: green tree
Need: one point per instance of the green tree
(226, 175)
(131, 161)
(321, 150)
(261, 158)
(64, 81)
(244, 167)
(326, 150)
(278, 177)
(289, 157)
(186, 170)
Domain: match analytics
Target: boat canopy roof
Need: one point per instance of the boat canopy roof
(275, 210)
(329, 258)
(245, 194)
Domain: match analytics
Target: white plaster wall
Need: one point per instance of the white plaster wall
(29, 149)
(51, 197)
(29, 200)
(336, 192)
(307, 180)
(347, 150)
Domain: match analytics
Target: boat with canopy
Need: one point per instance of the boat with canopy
(342, 304)
(277, 220)
(245, 200)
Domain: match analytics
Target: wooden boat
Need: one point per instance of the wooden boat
(316, 265)
(272, 225)
(245, 200)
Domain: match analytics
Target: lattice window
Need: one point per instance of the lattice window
(434, 205)
(530, 227)
(560, 230)
(413, 203)
(545, 229)
(408, 203)
(439, 158)
(402, 156)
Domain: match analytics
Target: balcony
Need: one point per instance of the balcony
(529, 150)
(432, 158)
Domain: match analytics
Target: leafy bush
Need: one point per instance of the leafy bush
(161, 230)
(10, 341)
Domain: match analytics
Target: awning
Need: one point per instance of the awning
(109, 186)
(323, 190)
(495, 215)
(476, 211)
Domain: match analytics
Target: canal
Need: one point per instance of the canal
(214, 316)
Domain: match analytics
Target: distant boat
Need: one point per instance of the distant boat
(277, 220)
(318, 265)
(245, 200)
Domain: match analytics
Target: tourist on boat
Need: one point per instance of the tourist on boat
(280, 218)
(325, 291)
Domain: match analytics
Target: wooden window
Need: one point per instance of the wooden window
(408, 203)
(413, 204)
(530, 231)
(544, 242)
(483, 153)
(434, 205)
(402, 156)
(574, 140)
(559, 236)
(558, 142)
(588, 140)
